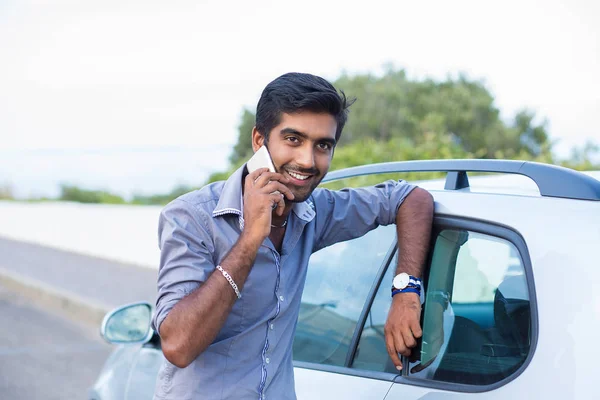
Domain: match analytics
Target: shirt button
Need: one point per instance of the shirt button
(268, 360)
(272, 326)
(281, 298)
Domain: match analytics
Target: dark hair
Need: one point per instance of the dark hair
(294, 92)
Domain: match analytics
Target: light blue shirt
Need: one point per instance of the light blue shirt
(251, 357)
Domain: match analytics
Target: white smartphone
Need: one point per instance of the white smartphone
(260, 159)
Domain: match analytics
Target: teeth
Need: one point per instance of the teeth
(297, 176)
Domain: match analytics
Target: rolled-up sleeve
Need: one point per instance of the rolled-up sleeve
(186, 260)
(349, 213)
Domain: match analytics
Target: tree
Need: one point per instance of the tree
(162, 198)
(586, 157)
(392, 106)
(73, 193)
(243, 148)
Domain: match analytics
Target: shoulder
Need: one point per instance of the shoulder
(203, 200)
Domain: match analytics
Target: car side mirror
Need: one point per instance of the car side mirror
(128, 324)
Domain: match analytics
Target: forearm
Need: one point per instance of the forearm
(413, 223)
(194, 322)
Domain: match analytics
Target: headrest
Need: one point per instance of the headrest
(512, 311)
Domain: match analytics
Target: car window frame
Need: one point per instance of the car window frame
(442, 222)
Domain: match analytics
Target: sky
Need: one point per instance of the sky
(139, 96)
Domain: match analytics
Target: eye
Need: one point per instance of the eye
(324, 146)
(292, 139)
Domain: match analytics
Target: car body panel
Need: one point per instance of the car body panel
(144, 370)
(113, 378)
(315, 384)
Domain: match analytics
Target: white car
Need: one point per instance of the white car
(512, 297)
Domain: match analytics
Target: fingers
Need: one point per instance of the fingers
(408, 339)
(280, 188)
(278, 203)
(270, 181)
(391, 349)
(416, 329)
(399, 341)
(262, 179)
(252, 178)
(402, 328)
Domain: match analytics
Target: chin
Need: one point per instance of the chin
(298, 199)
(301, 197)
(301, 194)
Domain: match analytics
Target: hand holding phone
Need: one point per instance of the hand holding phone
(262, 159)
(262, 188)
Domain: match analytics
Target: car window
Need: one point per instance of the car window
(476, 316)
(338, 282)
(371, 353)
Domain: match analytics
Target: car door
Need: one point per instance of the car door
(479, 320)
(477, 316)
(340, 282)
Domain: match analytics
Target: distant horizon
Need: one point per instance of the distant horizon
(127, 171)
(146, 171)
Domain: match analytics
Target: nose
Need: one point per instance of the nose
(306, 158)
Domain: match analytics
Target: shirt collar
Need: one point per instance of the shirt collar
(305, 210)
(231, 200)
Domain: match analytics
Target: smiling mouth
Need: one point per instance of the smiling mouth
(298, 176)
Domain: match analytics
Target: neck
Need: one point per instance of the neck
(280, 221)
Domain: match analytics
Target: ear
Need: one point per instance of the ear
(257, 139)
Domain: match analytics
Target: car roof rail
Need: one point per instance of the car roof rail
(551, 180)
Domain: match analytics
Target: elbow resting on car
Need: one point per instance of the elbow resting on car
(420, 197)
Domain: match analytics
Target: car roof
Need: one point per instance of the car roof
(524, 177)
(510, 184)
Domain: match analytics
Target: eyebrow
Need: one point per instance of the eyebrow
(305, 136)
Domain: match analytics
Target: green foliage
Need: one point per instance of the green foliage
(73, 193)
(220, 176)
(585, 158)
(370, 150)
(243, 148)
(392, 106)
(161, 199)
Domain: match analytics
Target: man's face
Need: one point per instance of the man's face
(301, 148)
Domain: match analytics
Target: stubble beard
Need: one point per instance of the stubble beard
(301, 195)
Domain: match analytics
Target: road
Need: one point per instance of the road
(102, 281)
(45, 355)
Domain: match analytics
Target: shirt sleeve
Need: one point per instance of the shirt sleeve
(350, 213)
(186, 260)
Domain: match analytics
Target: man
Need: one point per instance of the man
(234, 254)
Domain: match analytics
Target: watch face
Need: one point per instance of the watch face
(401, 280)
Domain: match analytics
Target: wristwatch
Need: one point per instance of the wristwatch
(404, 280)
